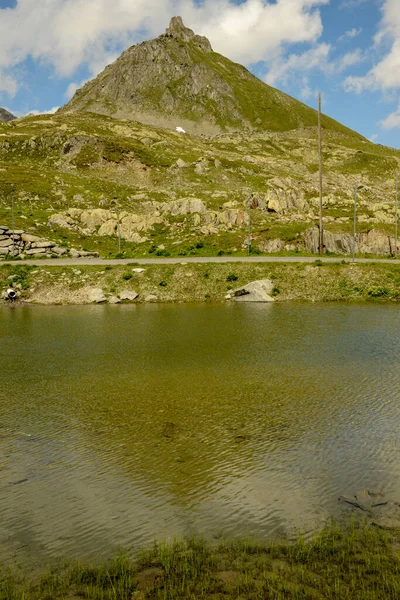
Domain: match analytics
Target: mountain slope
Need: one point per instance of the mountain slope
(185, 194)
(177, 79)
(6, 116)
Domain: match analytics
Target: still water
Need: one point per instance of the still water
(122, 424)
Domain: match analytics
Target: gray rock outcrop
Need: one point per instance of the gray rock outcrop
(255, 291)
(373, 242)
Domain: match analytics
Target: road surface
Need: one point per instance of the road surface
(75, 262)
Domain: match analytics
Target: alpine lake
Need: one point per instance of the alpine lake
(121, 425)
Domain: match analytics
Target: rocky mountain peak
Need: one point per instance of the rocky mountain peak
(6, 116)
(177, 80)
(177, 29)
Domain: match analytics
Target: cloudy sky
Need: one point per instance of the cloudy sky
(347, 49)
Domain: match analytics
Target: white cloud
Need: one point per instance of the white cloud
(392, 121)
(350, 34)
(374, 137)
(282, 70)
(73, 86)
(349, 60)
(8, 84)
(66, 34)
(385, 75)
(315, 59)
(306, 91)
(51, 111)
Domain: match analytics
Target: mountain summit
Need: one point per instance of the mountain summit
(6, 116)
(178, 80)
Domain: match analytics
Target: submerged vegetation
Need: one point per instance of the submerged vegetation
(357, 562)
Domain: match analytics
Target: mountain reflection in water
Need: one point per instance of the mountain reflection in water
(122, 424)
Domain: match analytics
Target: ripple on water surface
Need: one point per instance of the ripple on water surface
(123, 424)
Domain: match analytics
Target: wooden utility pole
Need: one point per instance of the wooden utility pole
(396, 218)
(355, 222)
(12, 222)
(321, 227)
(249, 225)
(119, 231)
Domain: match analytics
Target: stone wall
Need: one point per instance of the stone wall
(25, 245)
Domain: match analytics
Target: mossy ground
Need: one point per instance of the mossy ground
(356, 562)
(314, 282)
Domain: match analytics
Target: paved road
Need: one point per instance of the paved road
(74, 262)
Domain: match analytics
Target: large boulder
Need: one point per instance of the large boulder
(271, 246)
(61, 220)
(256, 291)
(108, 228)
(132, 224)
(128, 295)
(287, 200)
(95, 218)
(184, 206)
(94, 295)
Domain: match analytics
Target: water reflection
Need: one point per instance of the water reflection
(130, 423)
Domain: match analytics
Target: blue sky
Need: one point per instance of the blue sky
(347, 49)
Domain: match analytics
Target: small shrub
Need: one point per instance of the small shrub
(163, 253)
(108, 268)
(86, 157)
(206, 275)
(220, 253)
(255, 250)
(276, 291)
(163, 283)
(379, 292)
(232, 277)
(199, 245)
(318, 263)
(152, 249)
(127, 276)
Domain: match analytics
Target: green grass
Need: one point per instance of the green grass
(318, 281)
(356, 562)
(128, 160)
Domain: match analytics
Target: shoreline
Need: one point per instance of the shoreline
(353, 562)
(198, 282)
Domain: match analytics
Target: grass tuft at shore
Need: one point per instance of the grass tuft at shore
(358, 562)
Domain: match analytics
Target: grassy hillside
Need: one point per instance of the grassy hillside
(87, 161)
